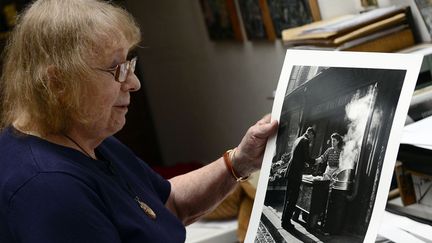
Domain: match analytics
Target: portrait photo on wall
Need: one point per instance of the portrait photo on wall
(326, 174)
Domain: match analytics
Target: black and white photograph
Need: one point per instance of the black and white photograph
(327, 172)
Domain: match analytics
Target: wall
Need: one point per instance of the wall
(203, 94)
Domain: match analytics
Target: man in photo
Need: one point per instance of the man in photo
(300, 155)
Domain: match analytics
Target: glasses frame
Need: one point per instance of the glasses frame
(121, 71)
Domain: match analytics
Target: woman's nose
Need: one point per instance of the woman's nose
(131, 84)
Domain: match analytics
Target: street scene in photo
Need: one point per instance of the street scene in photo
(326, 174)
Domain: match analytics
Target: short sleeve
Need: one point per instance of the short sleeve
(57, 207)
(162, 186)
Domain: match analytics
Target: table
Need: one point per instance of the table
(312, 200)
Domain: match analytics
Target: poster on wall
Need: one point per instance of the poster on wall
(256, 20)
(221, 19)
(327, 172)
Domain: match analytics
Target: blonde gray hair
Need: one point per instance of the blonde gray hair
(64, 34)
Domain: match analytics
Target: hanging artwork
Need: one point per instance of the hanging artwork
(221, 19)
(289, 13)
(257, 20)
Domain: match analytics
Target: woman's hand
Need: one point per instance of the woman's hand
(249, 154)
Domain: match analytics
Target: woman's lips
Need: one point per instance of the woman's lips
(122, 107)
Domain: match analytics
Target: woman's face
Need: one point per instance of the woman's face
(108, 100)
(334, 142)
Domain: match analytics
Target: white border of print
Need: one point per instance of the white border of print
(409, 62)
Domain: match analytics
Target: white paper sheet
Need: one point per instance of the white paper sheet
(402, 229)
(418, 133)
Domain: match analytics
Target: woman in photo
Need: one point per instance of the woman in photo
(331, 156)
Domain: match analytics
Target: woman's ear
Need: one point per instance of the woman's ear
(53, 82)
(55, 86)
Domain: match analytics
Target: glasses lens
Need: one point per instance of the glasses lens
(123, 71)
(133, 64)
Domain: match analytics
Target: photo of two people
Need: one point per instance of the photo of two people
(329, 154)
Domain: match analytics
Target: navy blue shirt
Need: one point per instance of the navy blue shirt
(50, 193)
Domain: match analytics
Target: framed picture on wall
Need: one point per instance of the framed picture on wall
(287, 14)
(257, 20)
(222, 20)
(326, 173)
(265, 19)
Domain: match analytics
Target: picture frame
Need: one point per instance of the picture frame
(257, 20)
(265, 19)
(287, 14)
(222, 20)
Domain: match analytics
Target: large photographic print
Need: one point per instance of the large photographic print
(326, 174)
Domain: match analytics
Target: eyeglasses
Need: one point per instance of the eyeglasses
(121, 71)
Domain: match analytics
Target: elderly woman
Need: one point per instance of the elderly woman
(66, 88)
(331, 156)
